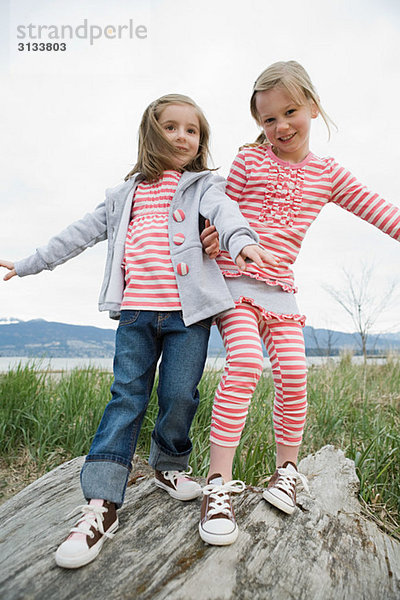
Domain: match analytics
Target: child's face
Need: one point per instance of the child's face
(181, 127)
(286, 124)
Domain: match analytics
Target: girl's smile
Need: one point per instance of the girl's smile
(286, 123)
(182, 128)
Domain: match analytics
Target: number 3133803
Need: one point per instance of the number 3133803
(42, 47)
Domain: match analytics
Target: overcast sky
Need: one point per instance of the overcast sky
(69, 122)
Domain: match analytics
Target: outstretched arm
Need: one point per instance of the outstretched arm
(10, 266)
(354, 197)
(70, 242)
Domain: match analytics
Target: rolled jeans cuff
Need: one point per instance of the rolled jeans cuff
(160, 460)
(105, 479)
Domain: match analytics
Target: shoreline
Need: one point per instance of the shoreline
(213, 363)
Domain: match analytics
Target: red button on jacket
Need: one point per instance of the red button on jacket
(182, 269)
(178, 239)
(179, 215)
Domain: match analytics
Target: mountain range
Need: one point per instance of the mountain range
(40, 338)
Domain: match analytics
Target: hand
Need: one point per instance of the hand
(257, 255)
(10, 266)
(210, 239)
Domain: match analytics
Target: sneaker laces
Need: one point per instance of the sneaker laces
(219, 496)
(287, 479)
(92, 517)
(173, 476)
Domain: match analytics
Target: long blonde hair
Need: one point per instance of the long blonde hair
(294, 79)
(155, 151)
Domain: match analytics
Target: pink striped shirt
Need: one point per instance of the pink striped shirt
(280, 200)
(150, 282)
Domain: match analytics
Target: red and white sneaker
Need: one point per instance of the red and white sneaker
(281, 490)
(217, 522)
(178, 484)
(88, 536)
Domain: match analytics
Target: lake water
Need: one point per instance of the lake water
(66, 364)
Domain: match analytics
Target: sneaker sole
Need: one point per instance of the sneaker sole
(278, 503)
(74, 563)
(218, 540)
(174, 494)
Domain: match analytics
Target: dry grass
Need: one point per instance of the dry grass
(17, 473)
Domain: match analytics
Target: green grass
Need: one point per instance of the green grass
(52, 418)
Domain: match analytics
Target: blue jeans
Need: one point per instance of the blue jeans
(142, 337)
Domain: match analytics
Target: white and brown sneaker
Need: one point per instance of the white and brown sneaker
(87, 537)
(178, 484)
(217, 522)
(281, 490)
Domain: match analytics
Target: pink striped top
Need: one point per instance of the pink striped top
(280, 200)
(150, 282)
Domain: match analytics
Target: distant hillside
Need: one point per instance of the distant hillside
(47, 339)
(326, 342)
(39, 338)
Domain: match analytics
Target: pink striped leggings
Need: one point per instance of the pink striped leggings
(242, 329)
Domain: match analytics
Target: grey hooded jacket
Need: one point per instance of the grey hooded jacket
(202, 289)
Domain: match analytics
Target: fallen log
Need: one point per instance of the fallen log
(326, 550)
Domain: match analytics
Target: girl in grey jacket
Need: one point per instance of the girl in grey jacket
(173, 139)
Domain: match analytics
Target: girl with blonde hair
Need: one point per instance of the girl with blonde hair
(280, 187)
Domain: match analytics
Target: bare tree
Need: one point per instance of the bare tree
(362, 301)
(324, 340)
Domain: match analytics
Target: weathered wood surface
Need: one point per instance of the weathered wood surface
(325, 550)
